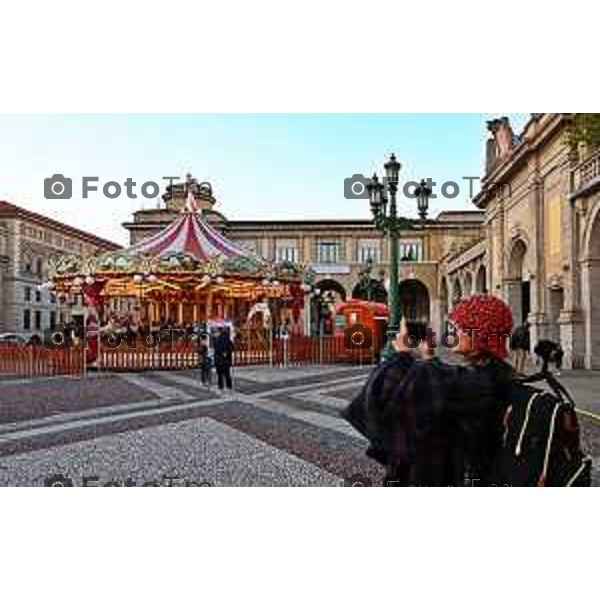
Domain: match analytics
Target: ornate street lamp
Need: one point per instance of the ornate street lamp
(386, 220)
(423, 199)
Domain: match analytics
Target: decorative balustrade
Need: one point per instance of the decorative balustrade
(586, 173)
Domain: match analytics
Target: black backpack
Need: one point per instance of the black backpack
(541, 444)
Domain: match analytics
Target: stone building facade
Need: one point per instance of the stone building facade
(28, 242)
(540, 247)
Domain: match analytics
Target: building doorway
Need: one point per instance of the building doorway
(517, 289)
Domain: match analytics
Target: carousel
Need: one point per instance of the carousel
(186, 275)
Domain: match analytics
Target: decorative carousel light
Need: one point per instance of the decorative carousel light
(206, 279)
(138, 278)
(89, 280)
(77, 281)
(265, 282)
(275, 282)
(152, 277)
(219, 280)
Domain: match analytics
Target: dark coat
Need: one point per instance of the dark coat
(204, 359)
(521, 338)
(546, 348)
(223, 352)
(432, 424)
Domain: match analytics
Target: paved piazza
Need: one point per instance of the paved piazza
(279, 427)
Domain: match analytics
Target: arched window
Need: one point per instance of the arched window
(27, 263)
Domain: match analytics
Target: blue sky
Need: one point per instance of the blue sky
(261, 166)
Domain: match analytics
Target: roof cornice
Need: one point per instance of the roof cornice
(506, 168)
(9, 210)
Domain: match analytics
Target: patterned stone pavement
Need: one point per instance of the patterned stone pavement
(279, 427)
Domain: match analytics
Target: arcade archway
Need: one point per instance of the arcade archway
(481, 280)
(331, 285)
(374, 291)
(328, 293)
(457, 292)
(518, 293)
(468, 284)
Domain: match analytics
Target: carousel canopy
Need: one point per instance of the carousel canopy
(189, 252)
(190, 234)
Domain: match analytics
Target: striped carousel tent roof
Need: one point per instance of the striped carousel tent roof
(190, 234)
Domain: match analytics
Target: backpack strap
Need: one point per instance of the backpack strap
(525, 422)
(559, 389)
(542, 478)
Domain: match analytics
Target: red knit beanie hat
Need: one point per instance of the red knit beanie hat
(490, 320)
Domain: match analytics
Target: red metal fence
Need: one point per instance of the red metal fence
(32, 361)
(178, 355)
(292, 350)
(276, 352)
(37, 361)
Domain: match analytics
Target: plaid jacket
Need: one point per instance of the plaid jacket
(432, 424)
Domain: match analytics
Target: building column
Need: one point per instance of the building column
(571, 321)
(572, 338)
(209, 304)
(512, 295)
(590, 275)
(537, 327)
(538, 319)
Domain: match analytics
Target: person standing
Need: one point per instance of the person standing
(521, 346)
(204, 358)
(223, 359)
(549, 351)
(432, 423)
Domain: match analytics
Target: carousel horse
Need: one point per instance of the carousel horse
(261, 310)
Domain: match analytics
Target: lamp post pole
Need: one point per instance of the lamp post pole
(386, 220)
(393, 237)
